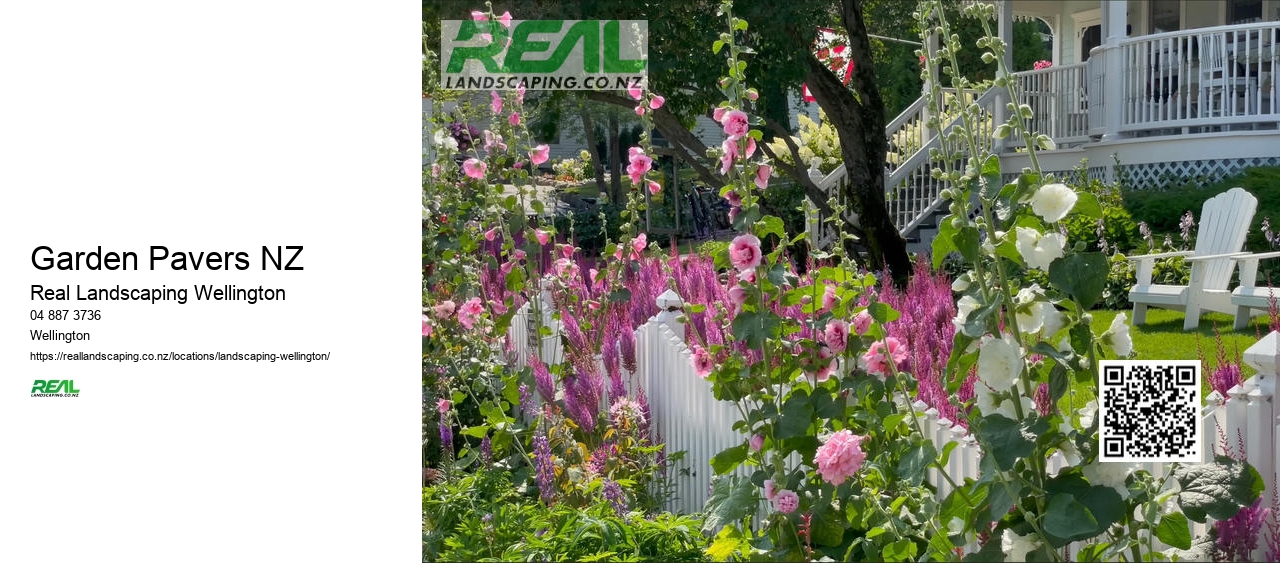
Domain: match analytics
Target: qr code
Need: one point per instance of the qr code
(1149, 411)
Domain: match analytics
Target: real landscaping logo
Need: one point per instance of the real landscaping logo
(54, 388)
(543, 54)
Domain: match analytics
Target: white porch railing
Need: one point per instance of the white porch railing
(1199, 78)
(688, 417)
(1059, 102)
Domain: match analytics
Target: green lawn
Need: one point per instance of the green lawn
(1162, 337)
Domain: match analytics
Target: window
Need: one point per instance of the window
(1244, 11)
(1092, 37)
(1166, 15)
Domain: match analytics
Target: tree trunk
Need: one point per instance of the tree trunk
(860, 124)
(593, 147)
(615, 163)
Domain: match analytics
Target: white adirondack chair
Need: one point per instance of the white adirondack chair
(1224, 222)
(1250, 299)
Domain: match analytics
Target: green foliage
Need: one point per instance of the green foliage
(1120, 277)
(589, 233)
(1119, 227)
(520, 528)
(1163, 209)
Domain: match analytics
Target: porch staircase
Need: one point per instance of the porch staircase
(912, 194)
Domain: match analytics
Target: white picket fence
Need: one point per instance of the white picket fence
(688, 418)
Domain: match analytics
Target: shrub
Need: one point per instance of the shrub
(1164, 212)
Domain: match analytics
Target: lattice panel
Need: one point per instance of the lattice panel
(1158, 175)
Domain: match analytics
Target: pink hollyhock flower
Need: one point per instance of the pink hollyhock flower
(762, 175)
(753, 95)
(786, 502)
(495, 102)
(542, 236)
(836, 335)
(654, 187)
(751, 147)
(744, 252)
(493, 141)
(635, 92)
(639, 110)
(769, 492)
(565, 267)
(734, 199)
(877, 358)
(861, 322)
(840, 457)
(733, 213)
(498, 307)
(505, 18)
(639, 243)
(520, 93)
(748, 276)
(640, 164)
(506, 267)
(442, 405)
(757, 442)
(728, 154)
(702, 364)
(435, 170)
(829, 298)
(514, 119)
(657, 102)
(470, 312)
(479, 16)
(490, 234)
(518, 165)
(539, 154)
(518, 255)
(474, 168)
(735, 124)
(444, 309)
(426, 326)
(567, 250)
(592, 273)
(718, 113)
(824, 372)
(738, 297)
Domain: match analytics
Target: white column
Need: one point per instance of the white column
(1115, 18)
(670, 308)
(1004, 29)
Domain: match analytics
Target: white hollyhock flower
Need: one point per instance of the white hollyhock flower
(1016, 547)
(1054, 320)
(1030, 314)
(1010, 412)
(1039, 250)
(1087, 413)
(1000, 362)
(1052, 202)
(985, 398)
(1118, 336)
(442, 139)
(964, 306)
(961, 283)
(1110, 475)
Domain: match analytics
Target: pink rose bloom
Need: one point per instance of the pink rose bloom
(443, 405)
(634, 91)
(840, 457)
(640, 110)
(505, 19)
(735, 124)
(829, 298)
(734, 199)
(495, 102)
(479, 16)
(639, 243)
(744, 252)
(836, 335)
(769, 492)
(757, 442)
(426, 326)
(490, 234)
(786, 502)
(474, 168)
(877, 359)
(444, 309)
(748, 276)
(702, 364)
(542, 236)
(718, 113)
(470, 312)
(654, 187)
(861, 322)
(762, 175)
(514, 119)
(657, 102)
(539, 154)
